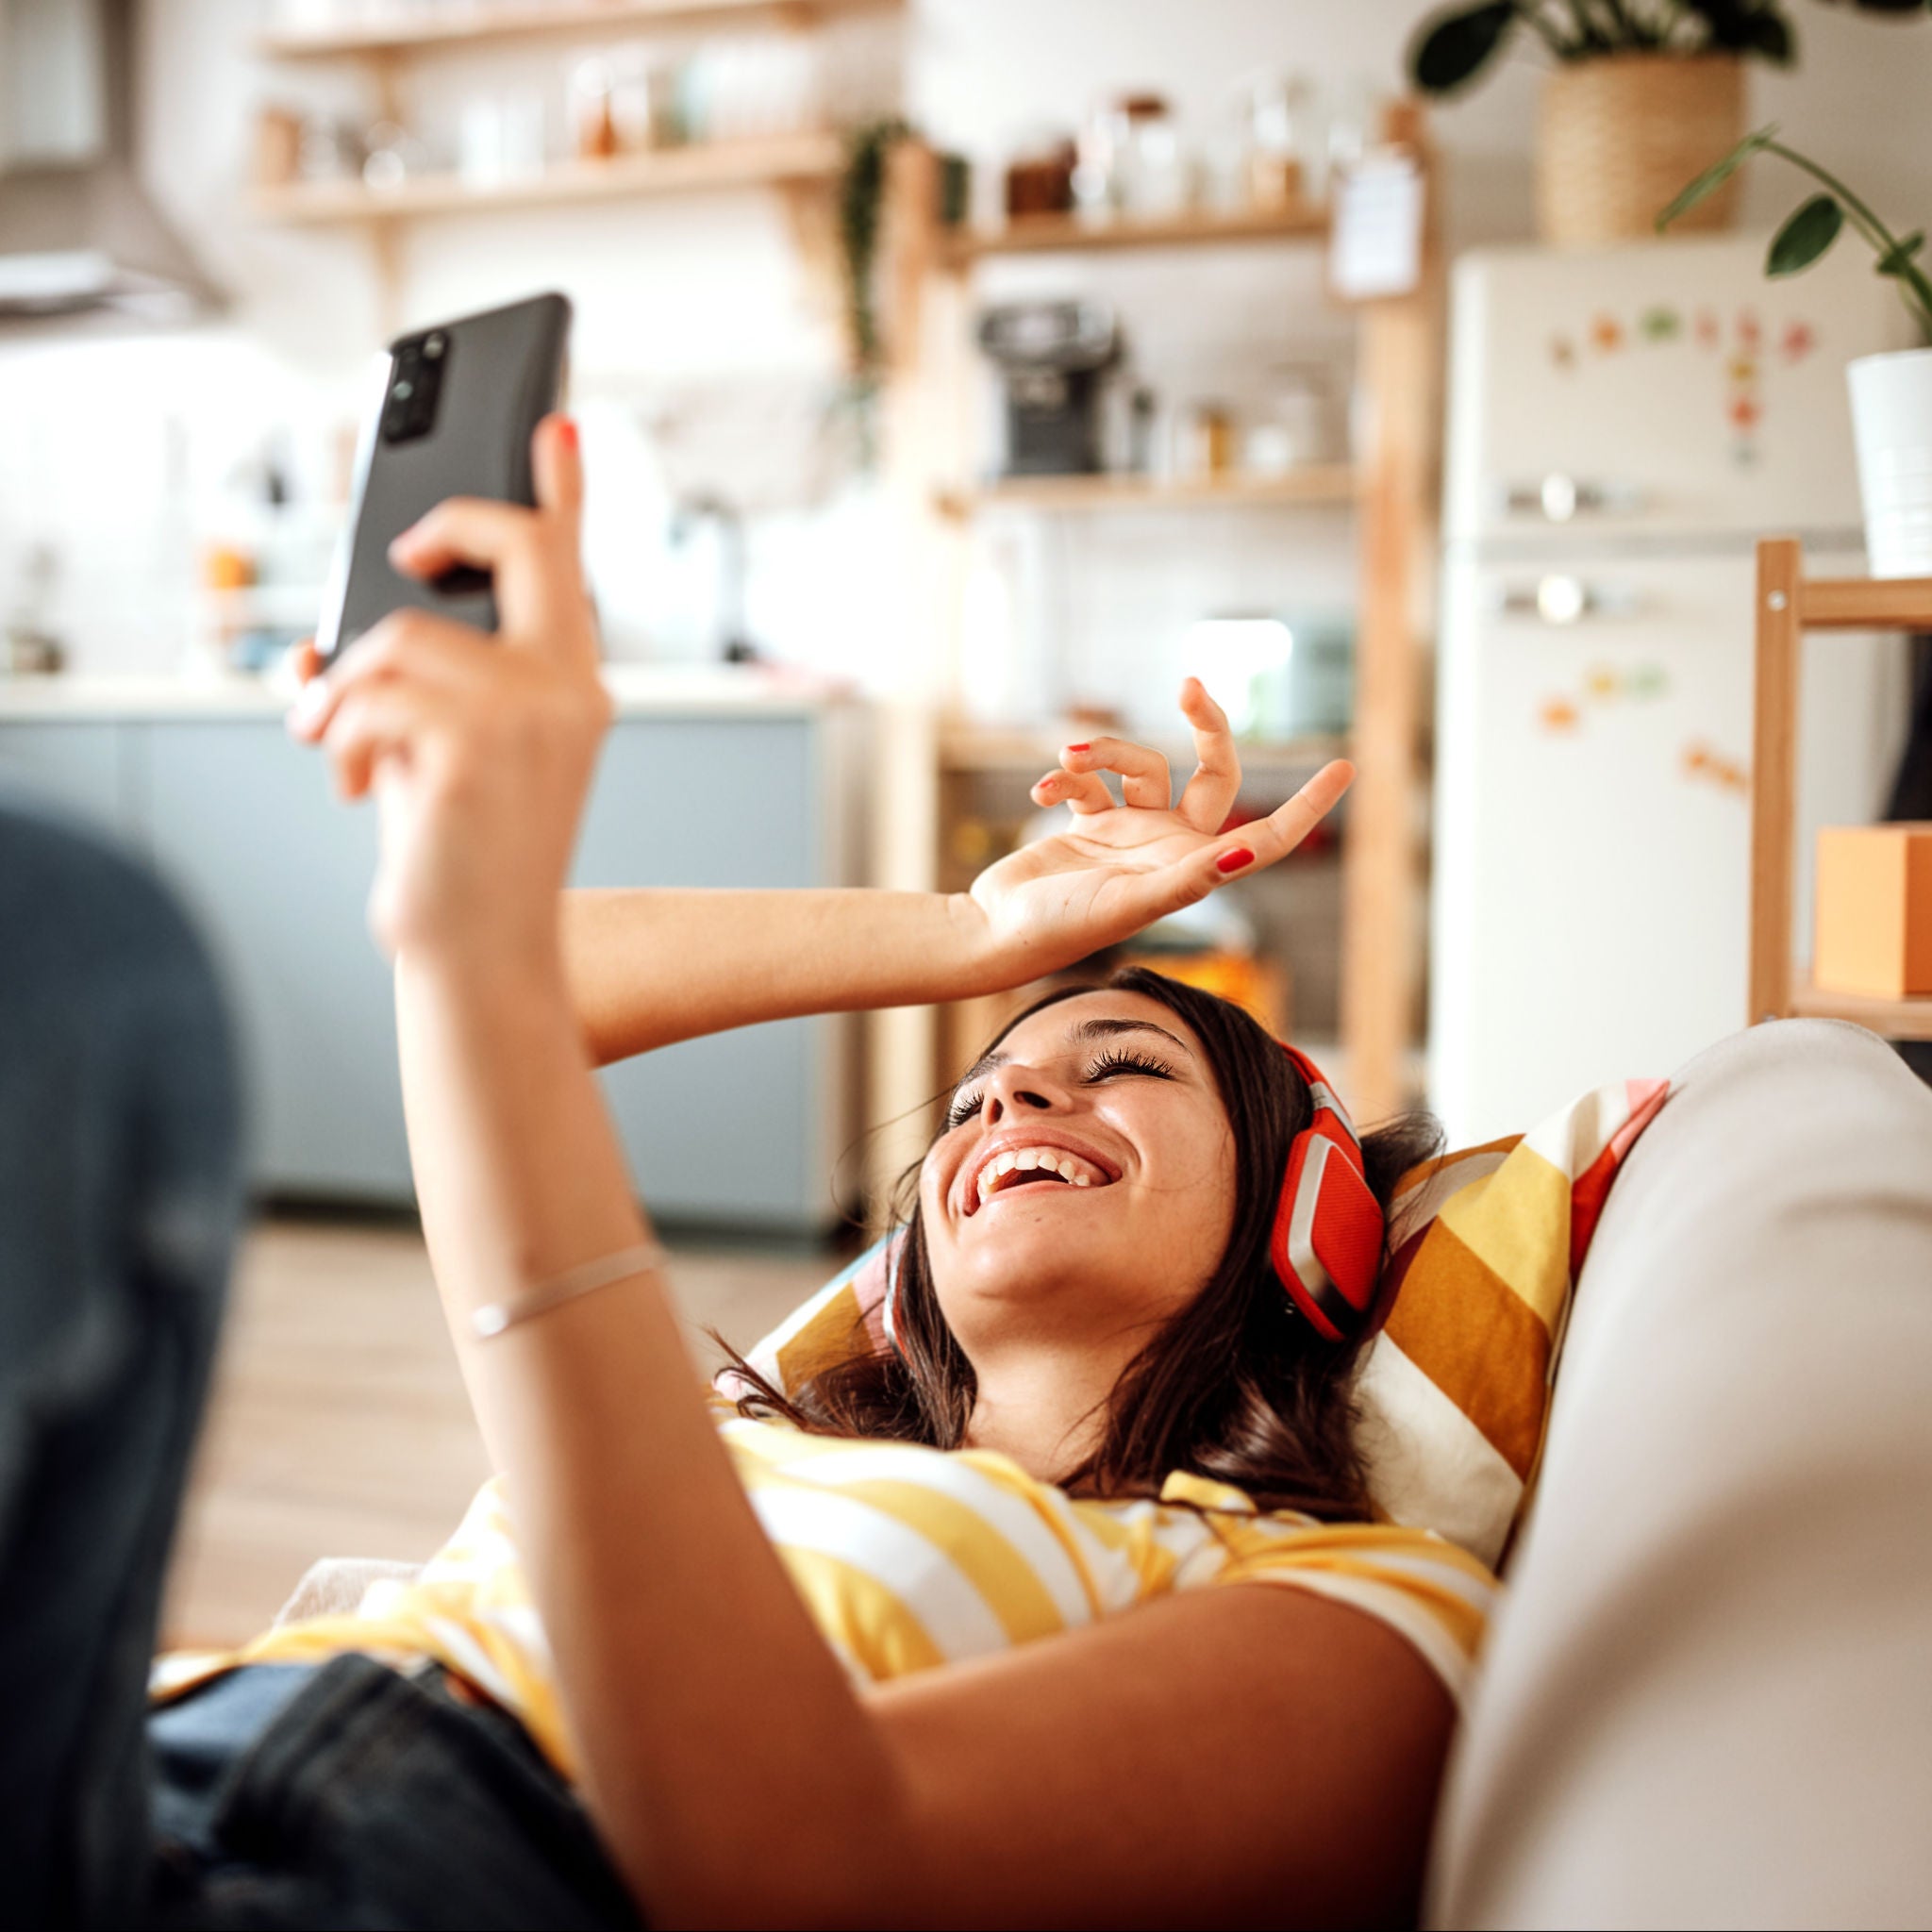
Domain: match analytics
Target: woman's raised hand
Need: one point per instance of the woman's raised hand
(479, 749)
(1118, 867)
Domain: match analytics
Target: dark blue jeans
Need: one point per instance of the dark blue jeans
(343, 1795)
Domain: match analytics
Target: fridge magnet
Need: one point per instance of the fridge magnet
(1562, 352)
(1661, 325)
(1602, 683)
(1606, 334)
(1800, 339)
(1646, 681)
(1558, 714)
(1704, 765)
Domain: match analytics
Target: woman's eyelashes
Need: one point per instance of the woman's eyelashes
(1108, 1066)
(1115, 1061)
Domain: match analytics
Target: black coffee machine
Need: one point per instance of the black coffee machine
(1054, 356)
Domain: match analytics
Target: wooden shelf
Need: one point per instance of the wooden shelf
(1788, 605)
(429, 30)
(1199, 228)
(988, 748)
(1888, 1019)
(1317, 483)
(934, 772)
(719, 165)
(1865, 603)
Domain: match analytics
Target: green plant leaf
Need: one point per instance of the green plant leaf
(1451, 49)
(1714, 178)
(1897, 259)
(1770, 35)
(1805, 236)
(1744, 26)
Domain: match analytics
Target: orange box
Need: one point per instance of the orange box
(1875, 910)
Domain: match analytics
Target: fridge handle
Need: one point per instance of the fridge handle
(1560, 600)
(1559, 498)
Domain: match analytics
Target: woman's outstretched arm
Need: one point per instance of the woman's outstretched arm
(647, 967)
(650, 967)
(734, 1774)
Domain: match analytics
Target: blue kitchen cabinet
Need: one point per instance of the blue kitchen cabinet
(742, 1129)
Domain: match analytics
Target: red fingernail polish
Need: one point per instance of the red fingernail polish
(568, 430)
(1233, 861)
(1079, 747)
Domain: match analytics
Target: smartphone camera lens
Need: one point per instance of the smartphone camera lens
(409, 410)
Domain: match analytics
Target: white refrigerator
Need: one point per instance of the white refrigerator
(1623, 426)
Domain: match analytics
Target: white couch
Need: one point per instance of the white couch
(1707, 1696)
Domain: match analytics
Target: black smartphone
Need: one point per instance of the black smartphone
(458, 408)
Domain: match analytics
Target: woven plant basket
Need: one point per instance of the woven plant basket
(1620, 134)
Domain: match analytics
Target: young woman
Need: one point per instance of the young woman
(689, 1666)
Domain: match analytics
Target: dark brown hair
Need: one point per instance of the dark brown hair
(1237, 1386)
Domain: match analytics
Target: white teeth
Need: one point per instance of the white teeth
(1071, 1168)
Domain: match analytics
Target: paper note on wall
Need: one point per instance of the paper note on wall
(1376, 241)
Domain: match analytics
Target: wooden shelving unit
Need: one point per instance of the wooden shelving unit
(802, 168)
(1199, 228)
(984, 748)
(1319, 483)
(785, 161)
(520, 20)
(928, 756)
(1788, 605)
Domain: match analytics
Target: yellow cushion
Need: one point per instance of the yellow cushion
(1484, 1249)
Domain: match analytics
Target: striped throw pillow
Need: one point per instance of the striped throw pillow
(1484, 1247)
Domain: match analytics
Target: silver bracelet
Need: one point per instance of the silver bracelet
(495, 1317)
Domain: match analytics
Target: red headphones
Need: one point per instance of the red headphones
(1326, 1246)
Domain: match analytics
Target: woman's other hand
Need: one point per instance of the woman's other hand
(1118, 867)
(479, 749)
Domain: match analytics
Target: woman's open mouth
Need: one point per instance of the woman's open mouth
(1034, 1165)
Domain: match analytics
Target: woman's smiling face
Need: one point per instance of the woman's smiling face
(1086, 1184)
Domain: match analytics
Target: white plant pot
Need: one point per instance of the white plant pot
(1891, 425)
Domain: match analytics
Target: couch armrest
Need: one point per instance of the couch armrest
(1707, 1693)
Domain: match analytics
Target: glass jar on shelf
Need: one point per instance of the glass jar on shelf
(1040, 175)
(1295, 423)
(1156, 177)
(1279, 112)
(592, 114)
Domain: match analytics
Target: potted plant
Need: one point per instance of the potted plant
(1891, 394)
(1642, 93)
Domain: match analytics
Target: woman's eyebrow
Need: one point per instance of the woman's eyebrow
(1108, 1029)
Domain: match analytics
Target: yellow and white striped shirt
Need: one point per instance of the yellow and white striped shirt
(910, 1557)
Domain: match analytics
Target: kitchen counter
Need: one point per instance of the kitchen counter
(640, 690)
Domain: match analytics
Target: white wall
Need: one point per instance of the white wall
(124, 453)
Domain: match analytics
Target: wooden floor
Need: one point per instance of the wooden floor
(340, 1426)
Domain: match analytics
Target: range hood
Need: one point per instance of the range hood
(77, 234)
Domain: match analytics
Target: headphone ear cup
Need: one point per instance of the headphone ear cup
(1326, 1245)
